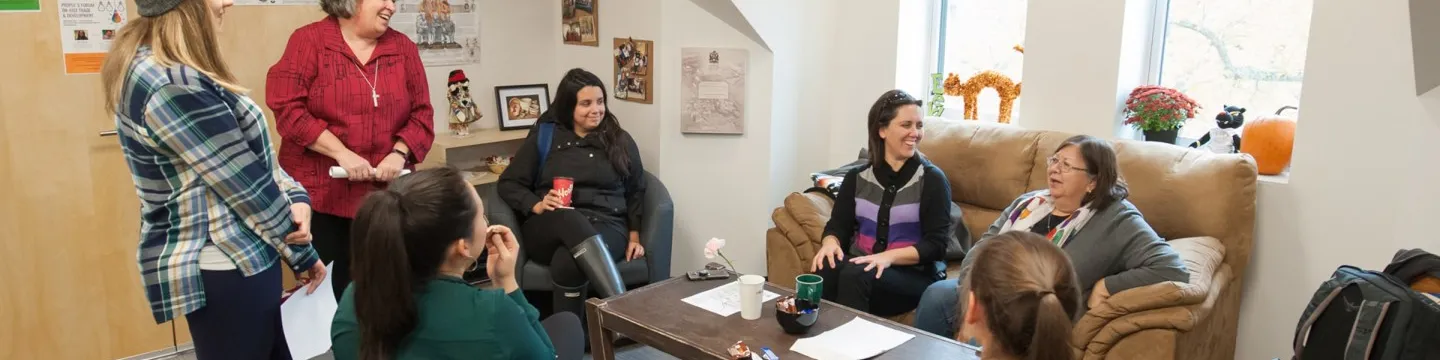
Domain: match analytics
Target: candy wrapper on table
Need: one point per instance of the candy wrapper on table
(791, 305)
(740, 351)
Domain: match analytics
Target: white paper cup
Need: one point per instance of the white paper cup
(751, 287)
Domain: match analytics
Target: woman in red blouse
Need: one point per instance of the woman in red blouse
(348, 92)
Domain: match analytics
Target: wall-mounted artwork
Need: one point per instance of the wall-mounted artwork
(580, 22)
(447, 32)
(521, 105)
(712, 90)
(634, 74)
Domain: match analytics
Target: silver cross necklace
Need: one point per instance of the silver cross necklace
(374, 96)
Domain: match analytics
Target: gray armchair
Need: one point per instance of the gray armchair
(656, 233)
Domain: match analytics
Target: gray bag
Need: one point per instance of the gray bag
(1363, 315)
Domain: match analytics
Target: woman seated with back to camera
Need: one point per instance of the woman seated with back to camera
(891, 221)
(1083, 211)
(413, 241)
(1023, 295)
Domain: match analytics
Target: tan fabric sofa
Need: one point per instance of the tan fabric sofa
(1204, 202)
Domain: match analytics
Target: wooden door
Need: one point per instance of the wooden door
(69, 217)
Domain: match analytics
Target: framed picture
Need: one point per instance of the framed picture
(580, 22)
(634, 77)
(712, 90)
(520, 105)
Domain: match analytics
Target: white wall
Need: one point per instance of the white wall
(1072, 65)
(507, 57)
(719, 182)
(808, 101)
(915, 46)
(639, 19)
(782, 25)
(862, 66)
(1362, 183)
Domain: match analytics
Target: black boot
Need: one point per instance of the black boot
(594, 260)
(570, 299)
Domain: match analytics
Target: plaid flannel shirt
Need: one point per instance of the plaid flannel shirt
(206, 173)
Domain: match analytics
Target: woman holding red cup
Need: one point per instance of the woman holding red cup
(582, 203)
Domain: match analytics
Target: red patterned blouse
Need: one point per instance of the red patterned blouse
(318, 85)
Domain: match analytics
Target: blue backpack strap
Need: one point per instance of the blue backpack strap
(542, 143)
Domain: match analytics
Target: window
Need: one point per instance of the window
(979, 35)
(1246, 53)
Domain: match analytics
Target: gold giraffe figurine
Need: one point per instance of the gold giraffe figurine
(969, 90)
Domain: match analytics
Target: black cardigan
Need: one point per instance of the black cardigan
(936, 223)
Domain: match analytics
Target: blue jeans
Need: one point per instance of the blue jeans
(939, 308)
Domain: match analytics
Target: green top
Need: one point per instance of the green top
(456, 321)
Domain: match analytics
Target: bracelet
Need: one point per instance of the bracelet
(401, 153)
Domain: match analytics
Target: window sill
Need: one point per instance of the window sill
(1282, 179)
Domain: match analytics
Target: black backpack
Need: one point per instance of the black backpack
(1365, 315)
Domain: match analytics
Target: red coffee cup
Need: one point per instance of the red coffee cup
(566, 186)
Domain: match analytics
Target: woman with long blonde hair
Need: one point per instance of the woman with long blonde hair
(217, 212)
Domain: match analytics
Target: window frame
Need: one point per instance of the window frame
(1155, 64)
(1152, 67)
(940, 26)
(1159, 29)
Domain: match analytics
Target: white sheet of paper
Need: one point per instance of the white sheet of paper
(307, 318)
(724, 300)
(857, 339)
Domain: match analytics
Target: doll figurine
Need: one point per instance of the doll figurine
(1225, 138)
(463, 111)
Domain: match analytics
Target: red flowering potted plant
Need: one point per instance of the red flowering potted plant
(1159, 112)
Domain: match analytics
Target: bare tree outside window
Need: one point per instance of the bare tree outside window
(1247, 53)
(981, 35)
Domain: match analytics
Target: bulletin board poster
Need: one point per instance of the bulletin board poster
(86, 28)
(19, 5)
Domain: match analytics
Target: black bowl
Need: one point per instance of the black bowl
(797, 323)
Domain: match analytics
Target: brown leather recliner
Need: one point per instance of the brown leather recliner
(1204, 203)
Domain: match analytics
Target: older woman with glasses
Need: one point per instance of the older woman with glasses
(1083, 211)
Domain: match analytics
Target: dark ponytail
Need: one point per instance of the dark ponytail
(611, 135)
(1027, 287)
(383, 304)
(398, 241)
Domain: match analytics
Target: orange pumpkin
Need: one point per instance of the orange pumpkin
(1271, 140)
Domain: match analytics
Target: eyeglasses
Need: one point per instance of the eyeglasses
(1065, 168)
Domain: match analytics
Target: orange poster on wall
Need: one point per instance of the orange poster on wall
(86, 28)
(87, 63)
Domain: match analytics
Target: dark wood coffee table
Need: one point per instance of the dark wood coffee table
(655, 315)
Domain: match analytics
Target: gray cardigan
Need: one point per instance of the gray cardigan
(1116, 245)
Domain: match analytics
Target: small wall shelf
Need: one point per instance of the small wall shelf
(468, 154)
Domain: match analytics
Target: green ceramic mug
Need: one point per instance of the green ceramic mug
(808, 290)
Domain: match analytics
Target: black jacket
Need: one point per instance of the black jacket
(599, 189)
